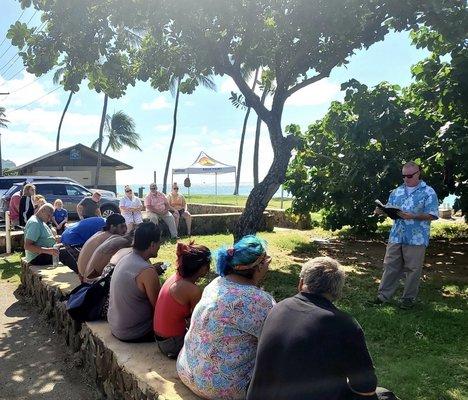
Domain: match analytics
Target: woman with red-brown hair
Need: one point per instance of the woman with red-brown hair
(178, 297)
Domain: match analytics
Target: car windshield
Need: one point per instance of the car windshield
(15, 188)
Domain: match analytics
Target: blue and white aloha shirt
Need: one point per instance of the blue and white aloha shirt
(422, 200)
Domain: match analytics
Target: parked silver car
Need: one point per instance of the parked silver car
(69, 192)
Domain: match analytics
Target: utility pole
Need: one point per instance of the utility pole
(1, 163)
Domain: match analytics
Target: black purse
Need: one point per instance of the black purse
(86, 302)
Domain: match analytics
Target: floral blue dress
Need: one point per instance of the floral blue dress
(218, 356)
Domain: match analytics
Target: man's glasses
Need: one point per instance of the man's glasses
(128, 191)
(152, 188)
(175, 188)
(409, 176)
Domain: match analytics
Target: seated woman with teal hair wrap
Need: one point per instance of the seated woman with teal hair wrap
(218, 356)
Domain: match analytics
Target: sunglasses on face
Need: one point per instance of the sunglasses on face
(152, 188)
(128, 191)
(409, 176)
(176, 188)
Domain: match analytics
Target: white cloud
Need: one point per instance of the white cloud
(163, 127)
(20, 94)
(321, 92)
(228, 86)
(78, 103)
(158, 103)
(45, 121)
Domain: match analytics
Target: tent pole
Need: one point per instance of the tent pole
(216, 185)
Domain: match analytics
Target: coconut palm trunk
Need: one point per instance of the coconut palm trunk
(57, 146)
(257, 140)
(174, 129)
(101, 131)
(241, 145)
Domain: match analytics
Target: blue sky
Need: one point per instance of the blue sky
(207, 120)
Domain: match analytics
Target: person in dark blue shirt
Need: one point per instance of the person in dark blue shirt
(60, 217)
(75, 236)
(311, 350)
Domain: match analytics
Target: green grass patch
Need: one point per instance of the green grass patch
(232, 200)
(10, 268)
(421, 354)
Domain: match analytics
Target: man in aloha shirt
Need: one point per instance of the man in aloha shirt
(409, 236)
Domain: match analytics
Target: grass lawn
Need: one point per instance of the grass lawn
(232, 200)
(421, 354)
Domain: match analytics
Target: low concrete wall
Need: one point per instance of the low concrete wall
(279, 217)
(122, 371)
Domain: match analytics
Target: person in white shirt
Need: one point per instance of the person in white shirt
(130, 208)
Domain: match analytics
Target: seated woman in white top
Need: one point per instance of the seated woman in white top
(177, 201)
(130, 208)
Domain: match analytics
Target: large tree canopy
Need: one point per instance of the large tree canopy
(300, 41)
(354, 154)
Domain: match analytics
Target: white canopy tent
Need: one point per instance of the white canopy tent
(204, 164)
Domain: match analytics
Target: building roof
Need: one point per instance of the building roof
(75, 155)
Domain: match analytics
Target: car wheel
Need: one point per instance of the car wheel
(106, 211)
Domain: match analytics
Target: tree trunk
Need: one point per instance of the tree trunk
(241, 145)
(174, 128)
(257, 140)
(107, 147)
(261, 194)
(57, 145)
(101, 131)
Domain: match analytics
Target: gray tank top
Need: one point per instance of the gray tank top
(130, 313)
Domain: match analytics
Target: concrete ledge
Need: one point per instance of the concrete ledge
(278, 216)
(121, 370)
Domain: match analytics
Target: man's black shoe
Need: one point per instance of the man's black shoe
(406, 304)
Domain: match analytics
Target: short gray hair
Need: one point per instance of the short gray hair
(323, 275)
(46, 207)
(412, 164)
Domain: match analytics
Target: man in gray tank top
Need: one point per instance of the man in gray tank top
(135, 287)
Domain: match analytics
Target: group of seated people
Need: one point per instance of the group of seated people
(231, 340)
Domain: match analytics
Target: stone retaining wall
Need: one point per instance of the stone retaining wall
(122, 371)
(279, 217)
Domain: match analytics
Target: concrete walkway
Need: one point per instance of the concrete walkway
(34, 363)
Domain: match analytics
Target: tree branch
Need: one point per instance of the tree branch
(306, 82)
(251, 98)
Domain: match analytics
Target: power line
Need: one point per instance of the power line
(18, 19)
(30, 83)
(10, 46)
(39, 98)
(18, 56)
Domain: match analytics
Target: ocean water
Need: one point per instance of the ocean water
(223, 189)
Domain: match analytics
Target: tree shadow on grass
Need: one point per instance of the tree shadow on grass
(9, 269)
(419, 353)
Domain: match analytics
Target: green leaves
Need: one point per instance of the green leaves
(19, 34)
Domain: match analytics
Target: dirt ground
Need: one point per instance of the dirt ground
(34, 363)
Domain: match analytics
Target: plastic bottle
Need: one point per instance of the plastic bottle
(55, 258)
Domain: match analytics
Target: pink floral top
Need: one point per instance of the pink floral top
(218, 356)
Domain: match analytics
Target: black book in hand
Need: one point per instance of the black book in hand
(391, 211)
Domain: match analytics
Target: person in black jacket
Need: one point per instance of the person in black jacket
(309, 349)
(26, 206)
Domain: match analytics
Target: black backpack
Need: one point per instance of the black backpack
(86, 301)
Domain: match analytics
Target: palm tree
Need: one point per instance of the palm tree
(100, 139)
(3, 124)
(57, 77)
(205, 81)
(267, 87)
(120, 131)
(241, 145)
